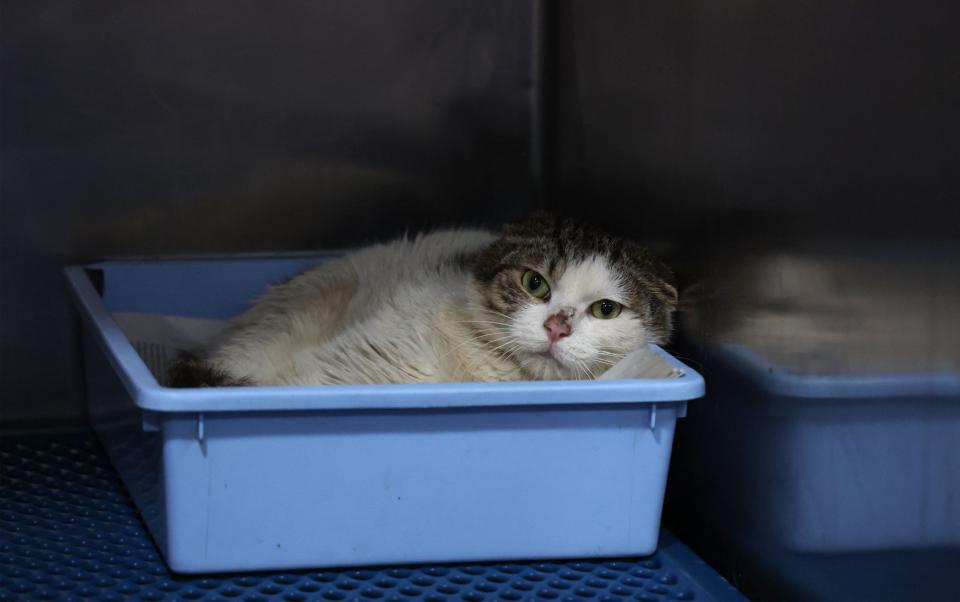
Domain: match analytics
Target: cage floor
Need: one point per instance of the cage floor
(69, 532)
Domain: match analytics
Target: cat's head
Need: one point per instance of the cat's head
(565, 300)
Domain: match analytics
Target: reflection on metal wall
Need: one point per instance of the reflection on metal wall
(150, 128)
(750, 142)
(800, 164)
(863, 308)
(798, 155)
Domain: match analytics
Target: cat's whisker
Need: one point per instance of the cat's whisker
(579, 370)
(601, 360)
(589, 371)
(484, 328)
(511, 353)
(489, 311)
(615, 352)
(484, 334)
(476, 330)
(606, 361)
(475, 339)
(480, 340)
(477, 322)
(501, 337)
(511, 341)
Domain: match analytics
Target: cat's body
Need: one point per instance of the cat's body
(449, 306)
(385, 314)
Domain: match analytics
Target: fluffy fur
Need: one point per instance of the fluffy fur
(447, 306)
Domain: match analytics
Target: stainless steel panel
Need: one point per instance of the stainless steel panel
(153, 128)
(799, 162)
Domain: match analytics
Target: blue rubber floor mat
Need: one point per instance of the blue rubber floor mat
(69, 532)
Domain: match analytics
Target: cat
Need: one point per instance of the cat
(545, 298)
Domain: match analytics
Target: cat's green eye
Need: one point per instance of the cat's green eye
(535, 284)
(605, 309)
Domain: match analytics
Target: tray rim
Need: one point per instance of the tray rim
(148, 394)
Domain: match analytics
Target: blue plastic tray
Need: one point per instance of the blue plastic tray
(253, 478)
(68, 532)
(825, 464)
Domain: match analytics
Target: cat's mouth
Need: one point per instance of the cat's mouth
(554, 354)
(548, 354)
(557, 363)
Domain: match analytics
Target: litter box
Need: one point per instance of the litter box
(823, 463)
(256, 478)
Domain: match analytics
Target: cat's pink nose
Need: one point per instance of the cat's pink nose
(558, 326)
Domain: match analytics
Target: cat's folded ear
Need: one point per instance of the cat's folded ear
(662, 303)
(667, 285)
(656, 276)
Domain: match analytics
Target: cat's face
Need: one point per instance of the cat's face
(568, 301)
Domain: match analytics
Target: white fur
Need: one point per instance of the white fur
(405, 312)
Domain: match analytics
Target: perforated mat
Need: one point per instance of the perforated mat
(68, 532)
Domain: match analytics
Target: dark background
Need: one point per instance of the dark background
(219, 127)
(151, 129)
(798, 163)
(837, 112)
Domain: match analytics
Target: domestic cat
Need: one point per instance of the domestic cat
(544, 298)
